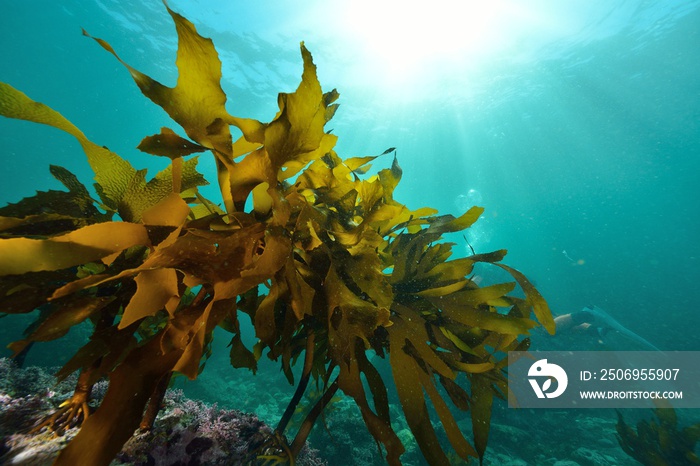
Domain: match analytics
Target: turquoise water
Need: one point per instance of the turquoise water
(575, 124)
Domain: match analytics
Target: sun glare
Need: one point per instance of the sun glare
(408, 39)
(407, 45)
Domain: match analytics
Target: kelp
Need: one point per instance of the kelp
(326, 263)
(659, 442)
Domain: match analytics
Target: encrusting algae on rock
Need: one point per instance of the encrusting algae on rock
(186, 432)
(345, 269)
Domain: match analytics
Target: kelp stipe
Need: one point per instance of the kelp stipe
(348, 270)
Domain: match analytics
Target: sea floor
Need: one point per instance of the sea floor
(189, 431)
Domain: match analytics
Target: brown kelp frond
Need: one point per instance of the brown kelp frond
(344, 267)
(52, 212)
(122, 188)
(444, 324)
(659, 442)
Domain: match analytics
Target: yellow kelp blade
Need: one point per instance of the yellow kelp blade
(450, 224)
(60, 321)
(112, 173)
(189, 362)
(359, 165)
(452, 430)
(197, 102)
(297, 132)
(254, 269)
(462, 307)
(253, 170)
(481, 401)
(389, 178)
(409, 328)
(121, 187)
(405, 370)
(351, 316)
(88, 244)
(239, 355)
(168, 144)
(379, 423)
(534, 299)
(143, 195)
(155, 289)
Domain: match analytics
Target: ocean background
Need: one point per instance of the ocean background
(575, 123)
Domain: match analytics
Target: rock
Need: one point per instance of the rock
(186, 431)
(587, 457)
(501, 459)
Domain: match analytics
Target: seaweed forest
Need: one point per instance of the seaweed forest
(330, 268)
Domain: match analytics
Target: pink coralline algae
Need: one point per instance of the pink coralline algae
(186, 433)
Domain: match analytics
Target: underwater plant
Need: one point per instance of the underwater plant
(659, 443)
(327, 264)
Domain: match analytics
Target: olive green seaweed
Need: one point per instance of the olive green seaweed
(660, 442)
(348, 272)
